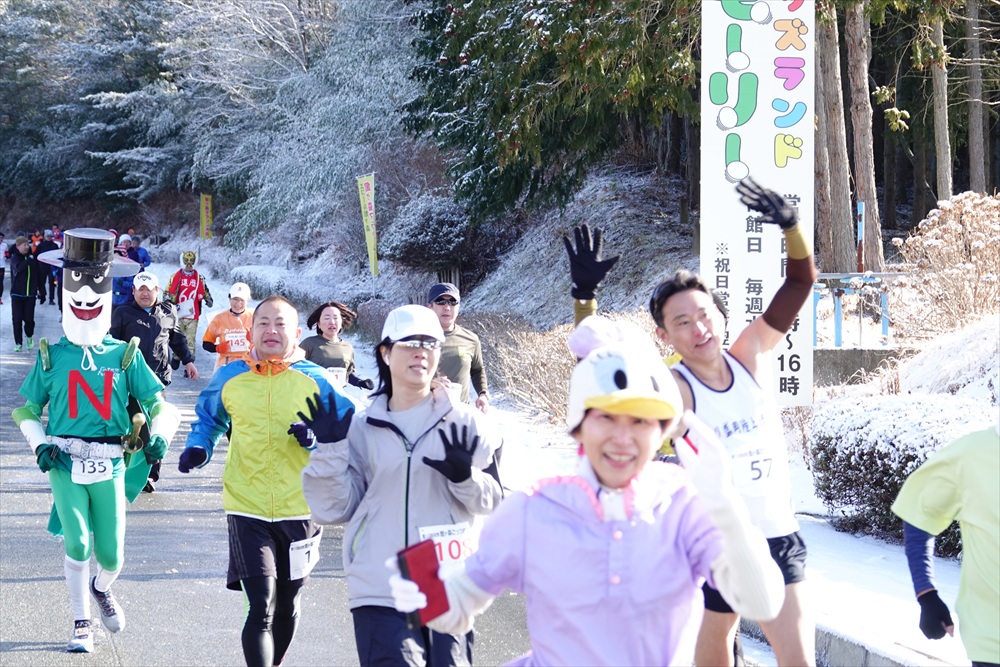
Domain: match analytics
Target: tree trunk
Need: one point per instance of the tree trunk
(841, 227)
(977, 140)
(923, 198)
(857, 35)
(692, 139)
(889, 153)
(824, 210)
(671, 138)
(942, 141)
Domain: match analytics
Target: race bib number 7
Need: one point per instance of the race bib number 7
(303, 556)
(91, 471)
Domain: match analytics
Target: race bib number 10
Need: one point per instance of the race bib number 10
(91, 471)
(453, 543)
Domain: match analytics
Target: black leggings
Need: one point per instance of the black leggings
(272, 618)
(22, 312)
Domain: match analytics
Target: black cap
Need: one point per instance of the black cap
(440, 290)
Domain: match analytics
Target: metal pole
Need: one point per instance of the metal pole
(861, 237)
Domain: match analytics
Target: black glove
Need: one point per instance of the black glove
(355, 381)
(191, 458)
(934, 615)
(776, 211)
(304, 434)
(45, 456)
(325, 425)
(457, 463)
(586, 268)
(209, 301)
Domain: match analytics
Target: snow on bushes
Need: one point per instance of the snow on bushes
(863, 448)
(954, 255)
(428, 233)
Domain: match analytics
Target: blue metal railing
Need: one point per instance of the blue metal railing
(851, 283)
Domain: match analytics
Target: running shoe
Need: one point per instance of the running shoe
(112, 616)
(17, 348)
(82, 640)
(31, 343)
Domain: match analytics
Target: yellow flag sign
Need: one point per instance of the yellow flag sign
(206, 217)
(366, 188)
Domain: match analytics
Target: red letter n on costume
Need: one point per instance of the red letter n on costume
(77, 382)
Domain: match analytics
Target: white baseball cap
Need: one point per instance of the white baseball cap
(146, 279)
(240, 291)
(412, 320)
(124, 238)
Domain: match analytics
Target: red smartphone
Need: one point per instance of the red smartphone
(419, 564)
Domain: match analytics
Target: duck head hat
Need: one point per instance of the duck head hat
(622, 375)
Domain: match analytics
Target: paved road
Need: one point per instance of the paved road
(173, 583)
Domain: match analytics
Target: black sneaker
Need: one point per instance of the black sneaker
(150, 487)
(112, 615)
(82, 640)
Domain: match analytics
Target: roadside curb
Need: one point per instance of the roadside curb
(835, 650)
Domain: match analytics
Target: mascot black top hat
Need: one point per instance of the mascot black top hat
(90, 251)
(89, 263)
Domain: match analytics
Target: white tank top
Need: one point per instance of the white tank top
(747, 421)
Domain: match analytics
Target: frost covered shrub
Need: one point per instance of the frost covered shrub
(530, 366)
(863, 448)
(371, 317)
(955, 255)
(427, 234)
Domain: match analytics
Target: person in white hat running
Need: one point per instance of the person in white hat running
(228, 334)
(410, 467)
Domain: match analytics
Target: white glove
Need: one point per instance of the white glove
(744, 571)
(465, 599)
(706, 460)
(406, 595)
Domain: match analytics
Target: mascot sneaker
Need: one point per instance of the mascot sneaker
(82, 640)
(112, 616)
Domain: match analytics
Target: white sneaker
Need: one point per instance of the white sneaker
(82, 640)
(112, 615)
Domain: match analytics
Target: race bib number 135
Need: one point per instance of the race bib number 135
(91, 471)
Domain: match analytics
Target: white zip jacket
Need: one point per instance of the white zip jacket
(376, 481)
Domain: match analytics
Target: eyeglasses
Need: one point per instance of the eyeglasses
(446, 302)
(417, 344)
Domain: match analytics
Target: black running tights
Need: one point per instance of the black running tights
(272, 617)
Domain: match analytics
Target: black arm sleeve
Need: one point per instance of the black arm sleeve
(800, 274)
(208, 346)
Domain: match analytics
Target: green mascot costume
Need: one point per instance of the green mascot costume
(86, 380)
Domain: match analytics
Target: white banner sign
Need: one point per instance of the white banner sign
(757, 119)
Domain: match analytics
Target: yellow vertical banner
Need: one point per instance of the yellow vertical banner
(366, 189)
(206, 217)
